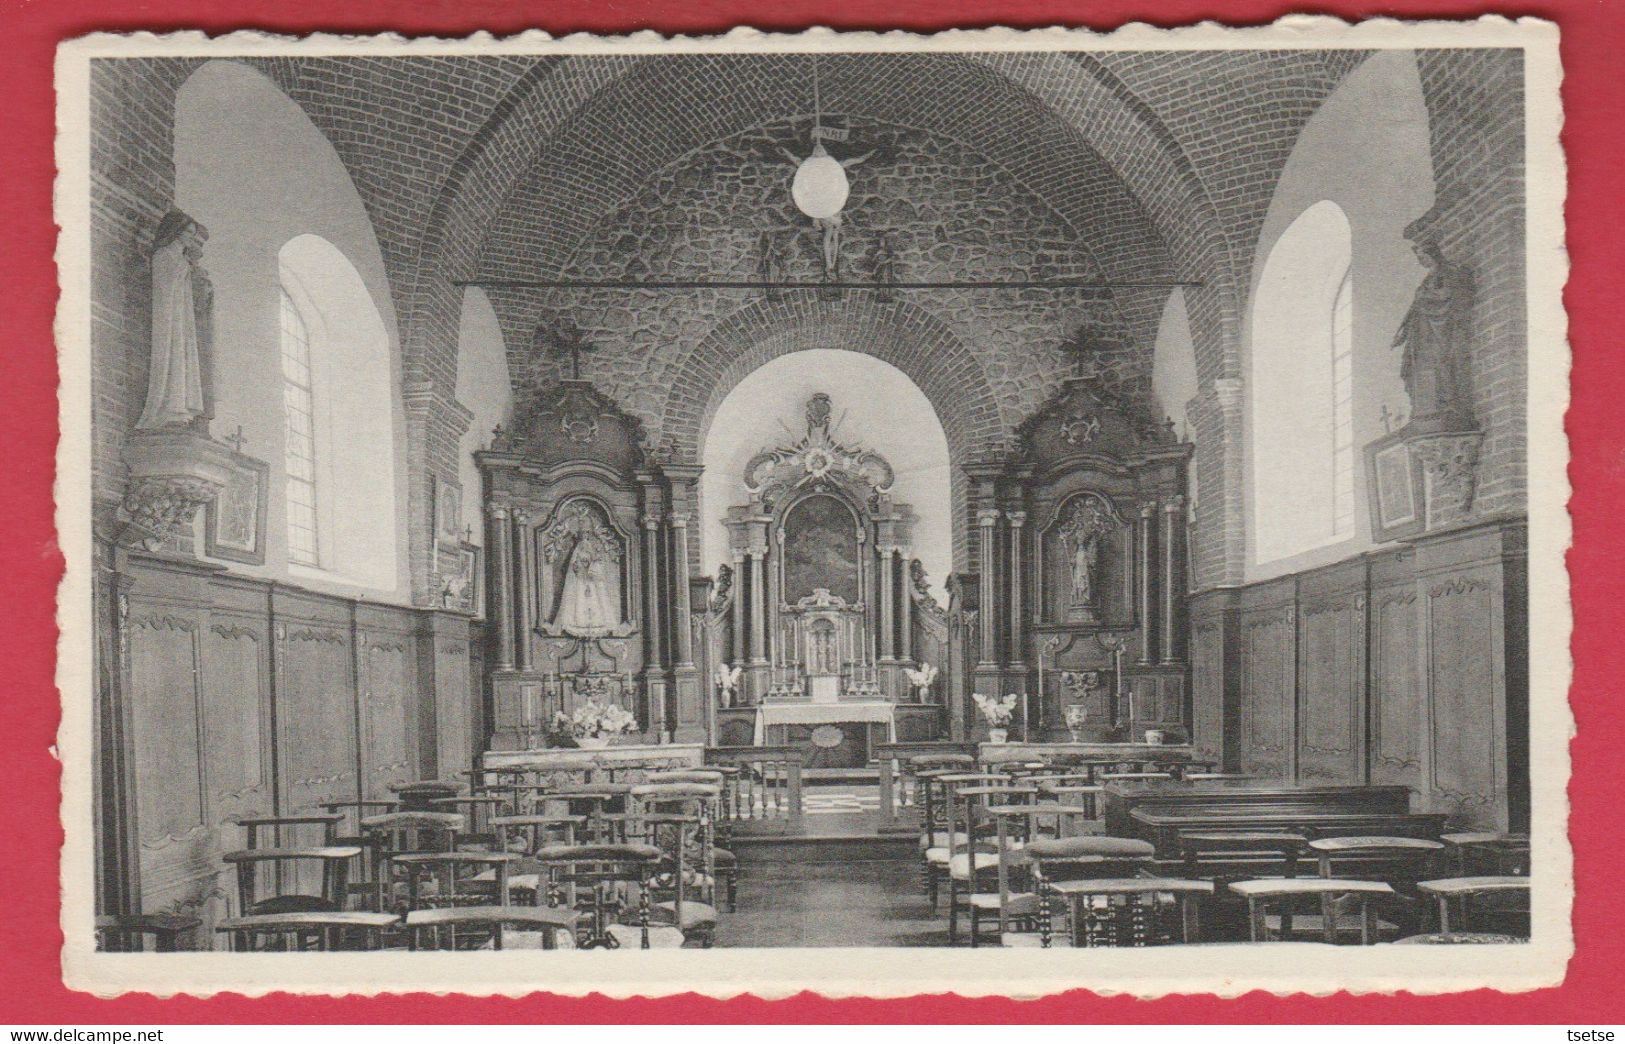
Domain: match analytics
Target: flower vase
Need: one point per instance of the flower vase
(998, 735)
(592, 742)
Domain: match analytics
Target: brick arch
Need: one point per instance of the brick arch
(904, 335)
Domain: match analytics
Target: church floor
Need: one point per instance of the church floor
(827, 893)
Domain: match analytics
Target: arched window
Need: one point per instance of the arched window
(339, 432)
(299, 417)
(1301, 402)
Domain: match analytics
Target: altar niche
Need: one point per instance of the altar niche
(826, 612)
(589, 590)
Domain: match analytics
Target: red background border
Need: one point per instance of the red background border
(31, 989)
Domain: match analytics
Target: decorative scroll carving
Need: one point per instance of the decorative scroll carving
(1449, 474)
(232, 632)
(311, 634)
(816, 460)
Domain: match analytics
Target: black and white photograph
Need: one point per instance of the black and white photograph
(1064, 502)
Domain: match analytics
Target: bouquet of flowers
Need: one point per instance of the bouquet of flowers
(598, 718)
(996, 712)
(921, 679)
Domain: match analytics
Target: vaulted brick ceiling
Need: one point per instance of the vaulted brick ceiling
(1220, 124)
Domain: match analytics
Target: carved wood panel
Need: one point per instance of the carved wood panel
(1207, 685)
(1267, 684)
(388, 731)
(1465, 756)
(1331, 691)
(236, 704)
(1396, 706)
(170, 805)
(315, 714)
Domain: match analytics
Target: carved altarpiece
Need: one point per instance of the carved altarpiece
(1078, 589)
(588, 589)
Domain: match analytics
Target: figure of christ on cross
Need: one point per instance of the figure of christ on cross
(830, 226)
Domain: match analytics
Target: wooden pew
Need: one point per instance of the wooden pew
(1160, 812)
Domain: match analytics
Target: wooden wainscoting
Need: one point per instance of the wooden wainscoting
(237, 696)
(1405, 666)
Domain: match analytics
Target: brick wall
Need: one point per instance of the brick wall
(1475, 103)
(132, 181)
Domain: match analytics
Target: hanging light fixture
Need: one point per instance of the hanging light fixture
(819, 188)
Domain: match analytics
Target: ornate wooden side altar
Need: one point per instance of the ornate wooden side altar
(1076, 597)
(588, 563)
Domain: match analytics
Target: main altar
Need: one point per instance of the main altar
(822, 631)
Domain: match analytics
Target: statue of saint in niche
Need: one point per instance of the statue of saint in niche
(581, 561)
(178, 381)
(1085, 547)
(1435, 337)
(1088, 520)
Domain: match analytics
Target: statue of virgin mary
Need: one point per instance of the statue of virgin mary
(590, 601)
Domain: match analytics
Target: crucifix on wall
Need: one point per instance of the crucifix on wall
(563, 340)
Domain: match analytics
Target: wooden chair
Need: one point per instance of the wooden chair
(353, 812)
(603, 804)
(478, 927)
(1017, 900)
(478, 810)
(727, 864)
(606, 884)
(1400, 861)
(678, 819)
(336, 930)
(334, 864)
(281, 827)
(1455, 895)
(963, 792)
(1086, 796)
(526, 835)
(1487, 854)
(976, 866)
(1128, 911)
(129, 933)
(418, 795)
(1089, 856)
(1332, 894)
(399, 833)
(435, 880)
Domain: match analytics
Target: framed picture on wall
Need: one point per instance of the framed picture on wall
(1394, 488)
(459, 587)
(234, 521)
(448, 511)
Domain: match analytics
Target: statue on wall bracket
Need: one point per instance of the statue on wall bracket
(1423, 477)
(1435, 341)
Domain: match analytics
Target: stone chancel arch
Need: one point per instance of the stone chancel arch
(875, 406)
(905, 337)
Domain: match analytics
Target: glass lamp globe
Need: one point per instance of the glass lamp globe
(819, 188)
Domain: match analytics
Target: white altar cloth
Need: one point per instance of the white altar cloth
(878, 711)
